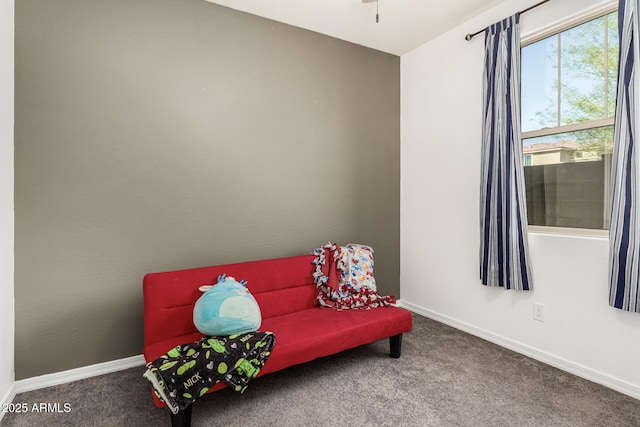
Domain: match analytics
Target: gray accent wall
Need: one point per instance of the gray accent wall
(153, 135)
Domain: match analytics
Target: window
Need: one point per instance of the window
(568, 103)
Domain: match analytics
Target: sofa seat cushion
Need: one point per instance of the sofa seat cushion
(316, 332)
(309, 334)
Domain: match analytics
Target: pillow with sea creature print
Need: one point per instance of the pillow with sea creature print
(226, 308)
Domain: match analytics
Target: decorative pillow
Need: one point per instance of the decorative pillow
(356, 261)
(226, 308)
(344, 277)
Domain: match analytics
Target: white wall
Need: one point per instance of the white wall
(440, 170)
(6, 202)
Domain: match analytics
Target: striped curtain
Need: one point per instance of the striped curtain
(624, 234)
(504, 253)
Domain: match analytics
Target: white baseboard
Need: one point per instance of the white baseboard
(7, 398)
(585, 372)
(617, 384)
(63, 377)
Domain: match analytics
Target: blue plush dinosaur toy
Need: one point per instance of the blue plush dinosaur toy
(226, 308)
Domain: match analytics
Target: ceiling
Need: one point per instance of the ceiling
(404, 24)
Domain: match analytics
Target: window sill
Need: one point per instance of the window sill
(566, 231)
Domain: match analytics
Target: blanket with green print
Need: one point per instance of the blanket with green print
(188, 371)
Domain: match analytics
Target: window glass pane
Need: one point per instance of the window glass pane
(585, 82)
(612, 62)
(567, 178)
(583, 72)
(539, 65)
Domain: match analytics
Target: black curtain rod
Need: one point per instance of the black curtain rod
(470, 36)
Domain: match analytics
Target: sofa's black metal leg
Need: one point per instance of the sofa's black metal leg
(396, 345)
(182, 418)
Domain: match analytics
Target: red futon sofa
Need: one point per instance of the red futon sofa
(286, 293)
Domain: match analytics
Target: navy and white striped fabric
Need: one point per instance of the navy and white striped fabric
(504, 253)
(624, 234)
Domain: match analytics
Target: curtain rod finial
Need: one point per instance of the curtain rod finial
(468, 37)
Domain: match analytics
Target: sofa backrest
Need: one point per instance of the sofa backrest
(280, 286)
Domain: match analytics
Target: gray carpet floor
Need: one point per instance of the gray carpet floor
(445, 377)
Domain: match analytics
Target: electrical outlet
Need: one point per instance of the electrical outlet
(538, 312)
